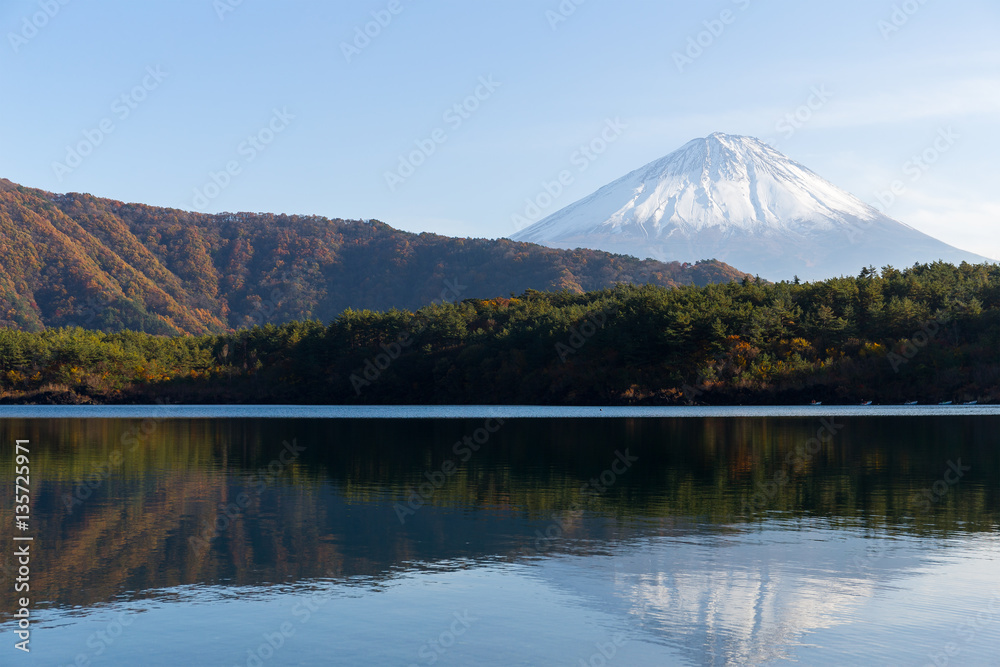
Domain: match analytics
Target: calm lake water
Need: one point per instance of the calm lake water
(506, 536)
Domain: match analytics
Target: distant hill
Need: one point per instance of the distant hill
(76, 259)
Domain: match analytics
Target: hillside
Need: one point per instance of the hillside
(928, 333)
(102, 264)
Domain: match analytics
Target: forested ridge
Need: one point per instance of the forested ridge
(79, 260)
(929, 333)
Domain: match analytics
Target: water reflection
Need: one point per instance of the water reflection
(665, 549)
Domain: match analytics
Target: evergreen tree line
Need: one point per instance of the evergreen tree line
(929, 333)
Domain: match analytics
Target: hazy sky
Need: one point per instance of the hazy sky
(144, 101)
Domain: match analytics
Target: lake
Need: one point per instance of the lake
(279, 535)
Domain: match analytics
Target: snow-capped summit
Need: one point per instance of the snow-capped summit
(738, 200)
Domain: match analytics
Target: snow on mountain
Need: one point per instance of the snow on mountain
(738, 200)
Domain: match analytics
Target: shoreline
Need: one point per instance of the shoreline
(457, 412)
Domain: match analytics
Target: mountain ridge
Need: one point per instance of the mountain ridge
(739, 199)
(75, 259)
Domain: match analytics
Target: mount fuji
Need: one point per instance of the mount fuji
(738, 200)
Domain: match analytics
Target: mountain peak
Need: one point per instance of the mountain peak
(736, 198)
(732, 139)
(718, 156)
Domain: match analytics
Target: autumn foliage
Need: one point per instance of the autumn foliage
(78, 260)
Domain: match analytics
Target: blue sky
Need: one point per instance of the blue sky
(293, 112)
